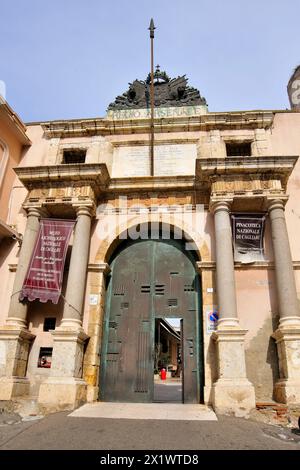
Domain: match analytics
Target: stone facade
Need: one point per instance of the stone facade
(112, 192)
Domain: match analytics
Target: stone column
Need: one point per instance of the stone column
(65, 388)
(225, 265)
(18, 310)
(15, 340)
(72, 315)
(287, 336)
(232, 392)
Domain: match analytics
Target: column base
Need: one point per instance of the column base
(65, 389)
(92, 393)
(13, 387)
(232, 393)
(14, 346)
(61, 394)
(233, 397)
(287, 336)
(287, 391)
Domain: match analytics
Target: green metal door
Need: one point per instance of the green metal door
(149, 279)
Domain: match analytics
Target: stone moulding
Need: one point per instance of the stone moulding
(282, 165)
(270, 265)
(15, 123)
(201, 266)
(92, 172)
(150, 182)
(108, 126)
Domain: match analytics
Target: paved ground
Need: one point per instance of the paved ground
(60, 431)
(159, 411)
(168, 391)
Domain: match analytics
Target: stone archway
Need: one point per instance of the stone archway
(151, 278)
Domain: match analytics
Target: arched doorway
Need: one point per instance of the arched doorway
(149, 280)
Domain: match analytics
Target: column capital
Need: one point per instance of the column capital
(36, 211)
(217, 205)
(83, 209)
(276, 203)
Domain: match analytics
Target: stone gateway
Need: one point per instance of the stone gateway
(153, 286)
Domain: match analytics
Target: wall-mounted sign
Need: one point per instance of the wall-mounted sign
(248, 237)
(94, 299)
(212, 317)
(44, 277)
(293, 89)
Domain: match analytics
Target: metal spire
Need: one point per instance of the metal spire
(152, 28)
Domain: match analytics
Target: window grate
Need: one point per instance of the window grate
(74, 156)
(159, 289)
(189, 288)
(119, 290)
(145, 289)
(238, 149)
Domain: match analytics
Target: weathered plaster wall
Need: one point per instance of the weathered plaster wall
(257, 308)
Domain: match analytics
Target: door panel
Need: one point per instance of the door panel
(149, 279)
(126, 362)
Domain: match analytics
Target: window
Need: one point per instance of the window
(45, 358)
(49, 324)
(238, 149)
(74, 156)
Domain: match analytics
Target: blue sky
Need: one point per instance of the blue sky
(66, 59)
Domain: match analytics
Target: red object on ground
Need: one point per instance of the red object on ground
(163, 374)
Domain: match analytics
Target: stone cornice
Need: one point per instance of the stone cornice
(99, 268)
(92, 267)
(209, 121)
(147, 183)
(282, 164)
(211, 168)
(96, 173)
(16, 124)
(257, 265)
(201, 266)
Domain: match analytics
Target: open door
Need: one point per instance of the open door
(150, 279)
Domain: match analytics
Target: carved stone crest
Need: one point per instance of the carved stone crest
(167, 92)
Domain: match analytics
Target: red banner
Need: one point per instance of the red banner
(44, 277)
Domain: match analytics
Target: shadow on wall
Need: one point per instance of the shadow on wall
(212, 364)
(262, 351)
(6, 246)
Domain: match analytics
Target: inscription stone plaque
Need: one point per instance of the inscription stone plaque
(169, 160)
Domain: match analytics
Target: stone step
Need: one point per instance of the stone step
(161, 411)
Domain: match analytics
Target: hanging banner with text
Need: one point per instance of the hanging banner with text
(248, 237)
(44, 277)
